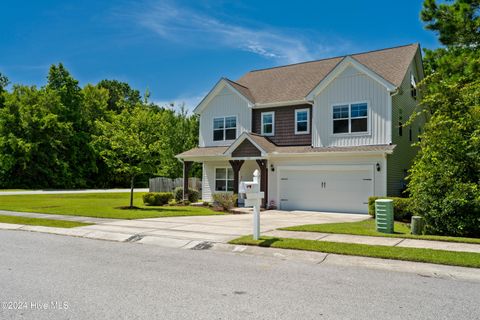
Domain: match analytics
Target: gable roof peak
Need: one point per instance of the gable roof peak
(295, 81)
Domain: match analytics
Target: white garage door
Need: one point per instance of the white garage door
(326, 188)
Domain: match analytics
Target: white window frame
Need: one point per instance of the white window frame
(350, 133)
(224, 128)
(308, 121)
(272, 113)
(226, 179)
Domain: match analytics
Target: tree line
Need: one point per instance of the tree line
(62, 135)
(445, 179)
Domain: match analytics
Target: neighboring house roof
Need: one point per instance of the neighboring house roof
(270, 148)
(294, 82)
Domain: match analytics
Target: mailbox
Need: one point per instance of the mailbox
(254, 199)
(251, 187)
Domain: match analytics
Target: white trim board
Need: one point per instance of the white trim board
(239, 140)
(217, 88)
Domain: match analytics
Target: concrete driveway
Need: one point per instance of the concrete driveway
(215, 228)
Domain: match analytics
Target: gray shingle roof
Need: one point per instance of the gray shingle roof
(294, 82)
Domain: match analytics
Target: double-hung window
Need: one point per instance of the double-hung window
(350, 118)
(223, 179)
(225, 128)
(268, 123)
(302, 121)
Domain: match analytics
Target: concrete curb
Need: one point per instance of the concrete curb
(419, 268)
(422, 269)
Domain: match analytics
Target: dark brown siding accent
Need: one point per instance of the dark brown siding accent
(284, 126)
(246, 149)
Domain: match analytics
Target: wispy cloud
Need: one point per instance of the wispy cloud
(190, 102)
(193, 27)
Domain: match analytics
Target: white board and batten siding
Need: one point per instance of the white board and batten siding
(352, 86)
(226, 103)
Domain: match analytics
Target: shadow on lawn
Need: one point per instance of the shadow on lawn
(268, 242)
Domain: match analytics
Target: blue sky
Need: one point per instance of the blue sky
(179, 49)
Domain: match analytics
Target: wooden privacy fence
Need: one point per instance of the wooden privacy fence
(162, 184)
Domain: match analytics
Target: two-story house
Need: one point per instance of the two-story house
(325, 134)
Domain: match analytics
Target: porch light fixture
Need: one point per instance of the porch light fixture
(272, 167)
(378, 167)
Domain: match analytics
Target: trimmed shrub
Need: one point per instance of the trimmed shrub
(157, 198)
(193, 195)
(225, 200)
(401, 208)
(172, 202)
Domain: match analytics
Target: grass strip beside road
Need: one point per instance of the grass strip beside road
(463, 259)
(367, 228)
(41, 222)
(97, 205)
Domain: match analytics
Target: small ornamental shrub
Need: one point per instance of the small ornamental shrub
(401, 208)
(186, 202)
(157, 198)
(193, 195)
(225, 200)
(206, 204)
(172, 202)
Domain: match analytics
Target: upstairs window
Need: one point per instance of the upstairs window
(350, 118)
(268, 123)
(302, 121)
(413, 86)
(225, 128)
(223, 179)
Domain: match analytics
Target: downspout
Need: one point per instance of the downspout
(385, 155)
(183, 176)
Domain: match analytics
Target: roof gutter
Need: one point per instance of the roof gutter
(331, 153)
(394, 91)
(282, 103)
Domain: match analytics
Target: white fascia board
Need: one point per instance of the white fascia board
(214, 91)
(330, 153)
(202, 158)
(239, 140)
(348, 61)
(281, 104)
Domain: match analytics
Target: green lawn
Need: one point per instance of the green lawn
(99, 205)
(464, 259)
(41, 222)
(367, 228)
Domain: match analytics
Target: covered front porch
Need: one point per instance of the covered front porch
(225, 167)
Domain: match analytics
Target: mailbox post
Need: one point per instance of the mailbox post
(254, 198)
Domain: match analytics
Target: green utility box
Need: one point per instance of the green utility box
(384, 215)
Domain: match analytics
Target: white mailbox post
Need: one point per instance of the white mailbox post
(254, 199)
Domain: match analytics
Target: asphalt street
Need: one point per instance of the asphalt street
(44, 276)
